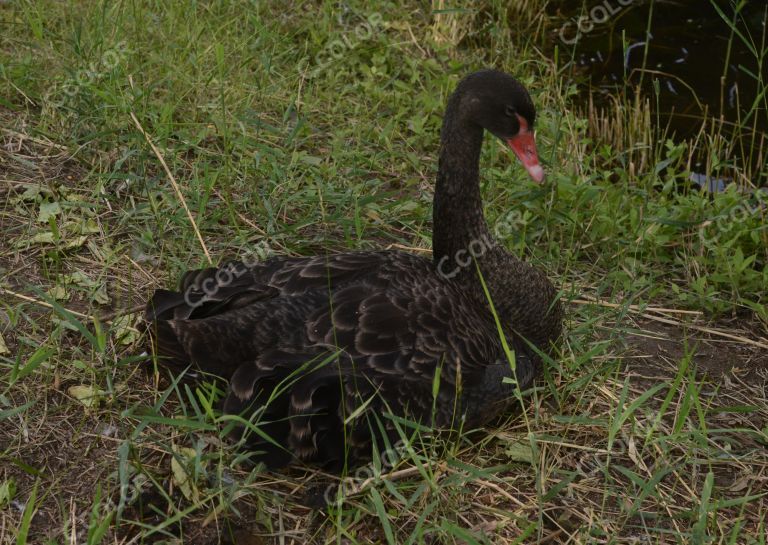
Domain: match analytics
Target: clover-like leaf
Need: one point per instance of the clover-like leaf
(3, 347)
(182, 477)
(90, 396)
(48, 209)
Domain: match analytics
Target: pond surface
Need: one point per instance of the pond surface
(691, 58)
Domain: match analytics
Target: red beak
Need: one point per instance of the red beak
(524, 146)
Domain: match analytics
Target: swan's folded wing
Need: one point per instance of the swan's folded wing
(331, 272)
(208, 292)
(215, 290)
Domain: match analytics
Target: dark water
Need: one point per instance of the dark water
(683, 55)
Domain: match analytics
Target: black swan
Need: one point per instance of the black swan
(320, 352)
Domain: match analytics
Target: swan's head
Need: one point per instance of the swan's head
(501, 105)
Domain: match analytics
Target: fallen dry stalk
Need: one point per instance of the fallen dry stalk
(106, 318)
(175, 187)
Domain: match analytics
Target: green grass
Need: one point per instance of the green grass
(652, 425)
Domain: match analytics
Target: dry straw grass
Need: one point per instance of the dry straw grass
(624, 125)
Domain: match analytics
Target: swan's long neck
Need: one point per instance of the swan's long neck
(458, 220)
(521, 293)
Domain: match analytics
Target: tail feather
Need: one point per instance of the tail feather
(162, 305)
(166, 346)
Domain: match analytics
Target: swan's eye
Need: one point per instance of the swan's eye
(510, 111)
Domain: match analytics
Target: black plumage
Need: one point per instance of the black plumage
(317, 350)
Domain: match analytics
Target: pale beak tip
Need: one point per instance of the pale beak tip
(536, 172)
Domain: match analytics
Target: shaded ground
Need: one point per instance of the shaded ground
(721, 350)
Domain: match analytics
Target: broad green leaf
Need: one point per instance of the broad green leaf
(182, 478)
(47, 210)
(100, 296)
(7, 492)
(123, 329)
(519, 451)
(3, 347)
(59, 293)
(75, 242)
(90, 396)
(30, 194)
(78, 278)
(42, 237)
